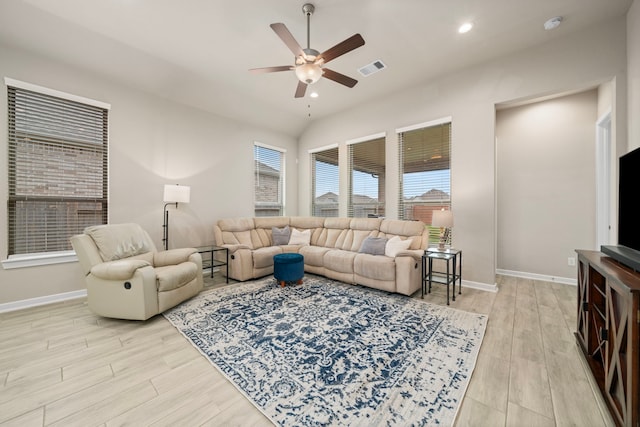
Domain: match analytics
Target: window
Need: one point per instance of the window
(425, 170)
(269, 180)
(58, 182)
(366, 177)
(325, 183)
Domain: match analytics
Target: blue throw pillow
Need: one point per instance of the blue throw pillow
(373, 245)
(280, 236)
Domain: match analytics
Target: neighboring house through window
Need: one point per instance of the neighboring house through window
(268, 180)
(58, 169)
(425, 170)
(325, 182)
(367, 173)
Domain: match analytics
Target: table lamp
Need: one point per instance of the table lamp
(444, 220)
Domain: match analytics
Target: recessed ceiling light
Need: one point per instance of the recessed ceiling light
(313, 94)
(553, 23)
(465, 28)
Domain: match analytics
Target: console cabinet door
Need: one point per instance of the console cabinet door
(621, 375)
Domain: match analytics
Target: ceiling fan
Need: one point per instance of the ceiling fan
(309, 63)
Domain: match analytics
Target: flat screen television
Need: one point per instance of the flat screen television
(627, 251)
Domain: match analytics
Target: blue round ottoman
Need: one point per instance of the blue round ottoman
(288, 268)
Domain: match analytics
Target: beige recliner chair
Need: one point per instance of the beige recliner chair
(127, 278)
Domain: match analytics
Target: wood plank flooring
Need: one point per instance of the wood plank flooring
(61, 365)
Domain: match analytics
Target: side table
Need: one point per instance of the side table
(453, 273)
(212, 261)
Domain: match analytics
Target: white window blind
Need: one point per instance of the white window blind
(325, 183)
(425, 171)
(269, 181)
(58, 170)
(366, 178)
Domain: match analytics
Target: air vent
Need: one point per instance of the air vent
(372, 68)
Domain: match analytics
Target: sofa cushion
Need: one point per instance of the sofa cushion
(263, 257)
(280, 236)
(118, 241)
(413, 229)
(339, 260)
(174, 276)
(395, 245)
(300, 237)
(373, 245)
(375, 267)
(313, 255)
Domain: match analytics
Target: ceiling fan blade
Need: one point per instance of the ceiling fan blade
(271, 69)
(301, 89)
(284, 34)
(339, 78)
(353, 42)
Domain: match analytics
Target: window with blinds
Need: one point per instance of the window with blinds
(325, 183)
(425, 171)
(268, 180)
(58, 170)
(366, 178)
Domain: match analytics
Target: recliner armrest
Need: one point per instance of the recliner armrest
(121, 269)
(172, 256)
(415, 254)
(232, 248)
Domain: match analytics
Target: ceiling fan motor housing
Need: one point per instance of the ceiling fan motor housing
(308, 9)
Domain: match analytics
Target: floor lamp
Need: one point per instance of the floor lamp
(444, 220)
(173, 194)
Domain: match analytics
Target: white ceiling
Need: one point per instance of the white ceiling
(198, 52)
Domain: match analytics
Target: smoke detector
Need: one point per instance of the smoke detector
(553, 23)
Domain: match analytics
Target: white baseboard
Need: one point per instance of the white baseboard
(49, 299)
(480, 286)
(542, 277)
(35, 302)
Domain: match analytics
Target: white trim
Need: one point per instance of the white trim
(542, 277)
(603, 180)
(319, 149)
(271, 147)
(35, 302)
(52, 92)
(38, 259)
(435, 122)
(480, 286)
(366, 138)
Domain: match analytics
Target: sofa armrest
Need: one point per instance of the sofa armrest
(121, 269)
(233, 248)
(172, 256)
(415, 254)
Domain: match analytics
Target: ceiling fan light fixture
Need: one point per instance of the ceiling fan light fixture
(308, 73)
(465, 28)
(553, 23)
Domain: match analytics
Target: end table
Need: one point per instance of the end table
(212, 262)
(453, 273)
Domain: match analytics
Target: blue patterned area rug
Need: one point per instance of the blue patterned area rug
(328, 353)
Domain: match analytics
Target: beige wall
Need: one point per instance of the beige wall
(633, 70)
(546, 184)
(576, 62)
(152, 142)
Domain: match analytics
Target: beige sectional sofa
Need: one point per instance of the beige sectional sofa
(333, 251)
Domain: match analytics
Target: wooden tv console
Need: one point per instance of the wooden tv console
(608, 331)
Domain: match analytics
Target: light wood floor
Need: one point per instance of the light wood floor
(62, 365)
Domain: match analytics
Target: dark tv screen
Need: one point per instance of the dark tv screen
(628, 210)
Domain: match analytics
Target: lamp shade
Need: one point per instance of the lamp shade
(177, 193)
(308, 73)
(442, 219)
